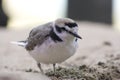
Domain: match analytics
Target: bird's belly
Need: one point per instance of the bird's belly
(51, 52)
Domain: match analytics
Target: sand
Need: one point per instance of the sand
(97, 57)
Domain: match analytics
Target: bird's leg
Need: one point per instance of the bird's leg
(54, 68)
(39, 65)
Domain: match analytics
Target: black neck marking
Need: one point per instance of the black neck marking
(55, 37)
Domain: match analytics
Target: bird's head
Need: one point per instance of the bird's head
(66, 28)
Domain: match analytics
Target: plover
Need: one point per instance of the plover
(53, 42)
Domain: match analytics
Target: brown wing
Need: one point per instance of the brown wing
(38, 35)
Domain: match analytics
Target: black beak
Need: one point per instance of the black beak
(74, 34)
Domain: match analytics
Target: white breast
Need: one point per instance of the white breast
(51, 52)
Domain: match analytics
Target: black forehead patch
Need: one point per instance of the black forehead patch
(71, 25)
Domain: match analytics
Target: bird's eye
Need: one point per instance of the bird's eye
(71, 25)
(58, 29)
(63, 28)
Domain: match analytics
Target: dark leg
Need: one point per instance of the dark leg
(54, 67)
(39, 65)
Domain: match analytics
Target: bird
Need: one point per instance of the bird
(53, 42)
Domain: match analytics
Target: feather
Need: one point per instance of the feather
(19, 43)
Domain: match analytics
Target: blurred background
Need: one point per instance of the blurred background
(18, 14)
(99, 22)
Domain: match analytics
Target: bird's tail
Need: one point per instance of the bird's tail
(19, 43)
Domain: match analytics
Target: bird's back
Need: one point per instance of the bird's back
(38, 35)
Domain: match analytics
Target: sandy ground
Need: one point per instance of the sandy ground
(98, 51)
